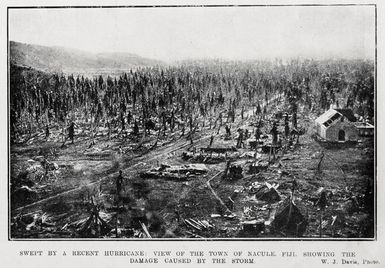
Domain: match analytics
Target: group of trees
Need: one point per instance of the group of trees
(177, 94)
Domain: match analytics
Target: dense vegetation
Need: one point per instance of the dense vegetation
(177, 94)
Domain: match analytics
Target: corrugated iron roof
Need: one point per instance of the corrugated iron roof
(326, 116)
(364, 125)
(347, 113)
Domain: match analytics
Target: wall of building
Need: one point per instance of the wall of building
(351, 132)
(366, 132)
(321, 130)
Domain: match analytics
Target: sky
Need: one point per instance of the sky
(235, 33)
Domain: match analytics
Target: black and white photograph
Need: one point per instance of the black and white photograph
(185, 122)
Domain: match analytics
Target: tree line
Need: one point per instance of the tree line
(178, 95)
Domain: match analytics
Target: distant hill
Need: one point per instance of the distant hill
(60, 59)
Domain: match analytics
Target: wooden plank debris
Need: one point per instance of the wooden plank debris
(144, 227)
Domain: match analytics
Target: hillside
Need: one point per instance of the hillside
(60, 59)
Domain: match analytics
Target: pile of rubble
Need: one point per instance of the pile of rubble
(179, 173)
(32, 180)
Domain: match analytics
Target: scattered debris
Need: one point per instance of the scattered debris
(167, 200)
(266, 192)
(350, 206)
(183, 172)
(23, 195)
(289, 219)
(252, 227)
(217, 150)
(94, 225)
(258, 166)
(235, 172)
(145, 230)
(322, 201)
(198, 224)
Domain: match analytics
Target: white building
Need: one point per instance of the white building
(337, 125)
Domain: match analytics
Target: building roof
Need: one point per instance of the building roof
(364, 125)
(326, 116)
(348, 114)
(332, 115)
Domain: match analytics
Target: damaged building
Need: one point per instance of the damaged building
(337, 125)
(365, 129)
